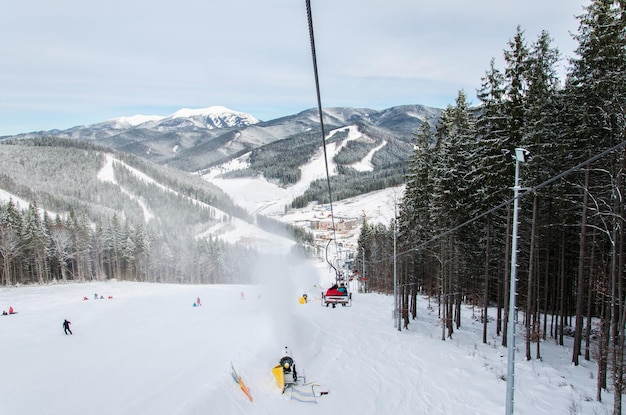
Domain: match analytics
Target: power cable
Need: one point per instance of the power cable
(319, 109)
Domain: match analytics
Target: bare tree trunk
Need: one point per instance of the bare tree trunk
(403, 292)
(614, 330)
(507, 276)
(619, 317)
(561, 322)
(587, 336)
(529, 289)
(451, 270)
(591, 300)
(545, 290)
(405, 307)
(500, 304)
(581, 273)
(414, 288)
(486, 285)
(458, 295)
(618, 369)
(537, 313)
(537, 319)
(443, 303)
(603, 347)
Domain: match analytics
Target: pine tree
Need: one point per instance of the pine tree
(597, 86)
(35, 240)
(414, 213)
(61, 246)
(516, 73)
(454, 201)
(492, 129)
(10, 242)
(540, 132)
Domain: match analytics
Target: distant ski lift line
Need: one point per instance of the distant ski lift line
(509, 201)
(319, 109)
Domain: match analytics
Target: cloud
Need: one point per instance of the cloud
(77, 62)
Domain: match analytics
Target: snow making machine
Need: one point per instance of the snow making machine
(285, 372)
(294, 385)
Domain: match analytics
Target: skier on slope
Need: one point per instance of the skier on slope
(66, 326)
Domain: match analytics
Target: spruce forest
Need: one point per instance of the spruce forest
(79, 228)
(453, 230)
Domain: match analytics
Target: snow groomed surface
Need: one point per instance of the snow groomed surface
(149, 351)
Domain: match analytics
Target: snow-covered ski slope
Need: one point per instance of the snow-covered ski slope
(149, 351)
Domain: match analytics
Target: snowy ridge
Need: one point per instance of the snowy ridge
(213, 111)
(257, 195)
(210, 117)
(192, 139)
(229, 229)
(20, 203)
(260, 196)
(135, 120)
(106, 174)
(214, 117)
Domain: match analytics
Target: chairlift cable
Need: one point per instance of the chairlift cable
(319, 109)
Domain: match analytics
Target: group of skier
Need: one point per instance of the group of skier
(95, 297)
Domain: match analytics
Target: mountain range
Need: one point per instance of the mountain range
(196, 139)
(139, 167)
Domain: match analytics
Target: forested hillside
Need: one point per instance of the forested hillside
(274, 149)
(281, 161)
(141, 223)
(454, 227)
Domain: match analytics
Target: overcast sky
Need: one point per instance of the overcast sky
(74, 62)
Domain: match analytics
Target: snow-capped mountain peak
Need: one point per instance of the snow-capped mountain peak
(210, 117)
(215, 110)
(135, 120)
(215, 117)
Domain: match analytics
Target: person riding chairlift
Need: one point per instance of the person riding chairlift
(333, 291)
(342, 289)
(337, 291)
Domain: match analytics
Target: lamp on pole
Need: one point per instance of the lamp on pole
(520, 156)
